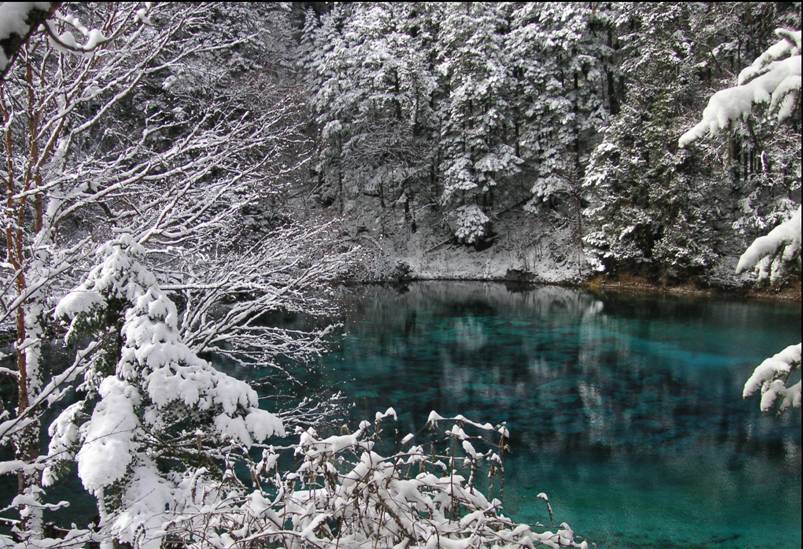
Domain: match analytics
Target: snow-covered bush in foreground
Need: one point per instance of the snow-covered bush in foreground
(345, 493)
(770, 79)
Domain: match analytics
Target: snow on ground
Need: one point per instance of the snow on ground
(524, 246)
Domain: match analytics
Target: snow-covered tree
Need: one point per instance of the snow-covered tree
(660, 212)
(774, 78)
(470, 224)
(648, 207)
(43, 119)
(475, 115)
(146, 421)
(411, 101)
(329, 64)
(370, 88)
(121, 131)
(560, 62)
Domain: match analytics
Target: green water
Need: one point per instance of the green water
(626, 410)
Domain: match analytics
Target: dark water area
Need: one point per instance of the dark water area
(625, 409)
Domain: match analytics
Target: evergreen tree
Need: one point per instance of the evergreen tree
(153, 413)
(653, 209)
(645, 209)
(560, 61)
(475, 115)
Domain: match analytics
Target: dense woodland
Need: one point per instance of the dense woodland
(178, 176)
(569, 112)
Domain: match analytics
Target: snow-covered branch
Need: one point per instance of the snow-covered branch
(773, 251)
(765, 81)
(18, 20)
(225, 292)
(772, 376)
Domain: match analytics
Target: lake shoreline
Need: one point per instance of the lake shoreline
(791, 293)
(788, 293)
(389, 266)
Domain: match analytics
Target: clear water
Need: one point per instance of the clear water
(626, 410)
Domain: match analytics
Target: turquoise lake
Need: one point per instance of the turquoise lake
(625, 409)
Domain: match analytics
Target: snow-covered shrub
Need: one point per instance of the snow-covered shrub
(402, 272)
(685, 247)
(470, 224)
(426, 492)
(613, 246)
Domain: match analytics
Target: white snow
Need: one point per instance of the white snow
(64, 435)
(262, 424)
(771, 375)
(108, 447)
(785, 236)
(78, 301)
(765, 81)
(13, 17)
(786, 46)
(731, 104)
(390, 412)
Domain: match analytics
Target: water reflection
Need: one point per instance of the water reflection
(626, 408)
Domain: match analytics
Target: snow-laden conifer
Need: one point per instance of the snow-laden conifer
(160, 409)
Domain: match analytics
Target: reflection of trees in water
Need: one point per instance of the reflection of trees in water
(388, 306)
(566, 369)
(470, 334)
